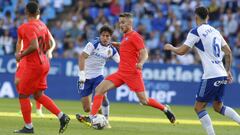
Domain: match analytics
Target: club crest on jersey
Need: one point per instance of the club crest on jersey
(126, 39)
(109, 52)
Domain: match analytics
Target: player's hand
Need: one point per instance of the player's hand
(18, 57)
(168, 47)
(80, 86)
(139, 65)
(229, 77)
(115, 44)
(81, 80)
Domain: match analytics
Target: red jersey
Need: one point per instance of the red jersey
(130, 47)
(34, 29)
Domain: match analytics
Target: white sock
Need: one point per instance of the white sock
(206, 122)
(60, 115)
(29, 126)
(105, 111)
(230, 113)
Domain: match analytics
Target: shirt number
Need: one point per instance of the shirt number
(216, 48)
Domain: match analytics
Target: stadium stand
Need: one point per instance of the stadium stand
(74, 22)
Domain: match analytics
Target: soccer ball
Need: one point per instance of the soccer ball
(99, 122)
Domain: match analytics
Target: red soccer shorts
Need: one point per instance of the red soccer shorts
(32, 78)
(133, 80)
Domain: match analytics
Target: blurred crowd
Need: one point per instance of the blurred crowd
(158, 21)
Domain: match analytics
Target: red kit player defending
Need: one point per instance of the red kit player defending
(133, 55)
(31, 75)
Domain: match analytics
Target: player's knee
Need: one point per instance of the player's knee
(86, 109)
(37, 95)
(197, 109)
(21, 96)
(99, 90)
(217, 108)
(105, 102)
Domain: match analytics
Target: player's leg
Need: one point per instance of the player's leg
(153, 103)
(39, 109)
(49, 104)
(112, 81)
(85, 95)
(105, 107)
(222, 109)
(205, 94)
(25, 106)
(136, 84)
(105, 104)
(106, 110)
(226, 111)
(204, 118)
(101, 89)
(86, 103)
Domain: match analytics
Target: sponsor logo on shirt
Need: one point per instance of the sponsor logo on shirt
(218, 83)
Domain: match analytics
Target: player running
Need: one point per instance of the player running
(33, 68)
(209, 44)
(91, 64)
(19, 47)
(133, 55)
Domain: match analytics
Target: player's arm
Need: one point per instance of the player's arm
(143, 56)
(187, 45)
(116, 57)
(32, 47)
(183, 49)
(228, 59)
(81, 74)
(52, 45)
(19, 45)
(81, 62)
(116, 44)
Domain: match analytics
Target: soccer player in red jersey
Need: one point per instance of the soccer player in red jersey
(19, 47)
(31, 74)
(133, 55)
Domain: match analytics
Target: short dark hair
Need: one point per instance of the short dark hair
(34, 1)
(32, 8)
(202, 12)
(106, 28)
(126, 14)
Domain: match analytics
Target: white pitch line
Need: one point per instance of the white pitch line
(131, 119)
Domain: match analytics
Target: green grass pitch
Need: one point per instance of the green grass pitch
(126, 119)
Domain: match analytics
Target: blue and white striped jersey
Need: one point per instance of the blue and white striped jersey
(98, 55)
(208, 41)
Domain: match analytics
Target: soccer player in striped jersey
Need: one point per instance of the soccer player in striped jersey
(91, 64)
(211, 48)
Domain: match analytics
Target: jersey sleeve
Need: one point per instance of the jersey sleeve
(138, 42)
(115, 55)
(88, 48)
(191, 39)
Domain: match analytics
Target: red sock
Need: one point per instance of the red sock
(97, 102)
(49, 104)
(153, 103)
(26, 109)
(38, 105)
